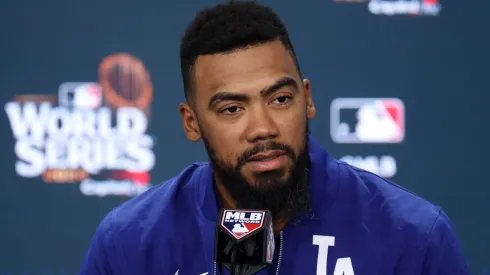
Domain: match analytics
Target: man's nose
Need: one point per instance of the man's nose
(261, 126)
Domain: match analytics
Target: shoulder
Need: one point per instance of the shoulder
(149, 210)
(132, 231)
(421, 230)
(390, 204)
(380, 203)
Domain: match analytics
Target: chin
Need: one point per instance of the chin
(268, 180)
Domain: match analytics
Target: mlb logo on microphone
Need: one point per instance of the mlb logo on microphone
(367, 120)
(242, 223)
(81, 95)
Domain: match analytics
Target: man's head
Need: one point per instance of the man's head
(248, 103)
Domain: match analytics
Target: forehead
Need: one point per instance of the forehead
(243, 70)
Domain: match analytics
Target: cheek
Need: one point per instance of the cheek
(293, 128)
(224, 141)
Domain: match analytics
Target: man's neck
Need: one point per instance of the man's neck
(227, 201)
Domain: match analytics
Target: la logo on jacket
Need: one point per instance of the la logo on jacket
(343, 266)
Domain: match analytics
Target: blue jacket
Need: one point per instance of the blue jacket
(361, 224)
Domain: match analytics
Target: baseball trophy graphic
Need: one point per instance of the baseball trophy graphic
(126, 82)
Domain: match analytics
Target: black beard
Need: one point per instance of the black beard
(284, 198)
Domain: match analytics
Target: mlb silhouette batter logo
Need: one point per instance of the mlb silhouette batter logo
(242, 223)
(80, 95)
(367, 120)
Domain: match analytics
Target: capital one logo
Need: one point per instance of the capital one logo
(400, 7)
(408, 7)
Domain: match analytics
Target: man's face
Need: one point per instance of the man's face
(252, 109)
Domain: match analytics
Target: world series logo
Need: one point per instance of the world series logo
(92, 133)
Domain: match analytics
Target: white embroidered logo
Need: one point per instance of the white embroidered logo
(343, 265)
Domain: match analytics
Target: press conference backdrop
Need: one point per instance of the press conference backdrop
(91, 88)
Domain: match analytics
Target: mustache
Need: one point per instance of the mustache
(263, 147)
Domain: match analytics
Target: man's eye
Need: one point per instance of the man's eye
(230, 110)
(282, 99)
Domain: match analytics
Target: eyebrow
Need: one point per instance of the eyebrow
(232, 96)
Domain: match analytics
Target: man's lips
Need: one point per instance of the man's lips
(267, 161)
(268, 155)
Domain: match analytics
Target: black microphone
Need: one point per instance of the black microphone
(244, 240)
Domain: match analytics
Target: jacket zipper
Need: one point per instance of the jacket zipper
(279, 260)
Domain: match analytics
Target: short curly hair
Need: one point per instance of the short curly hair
(227, 27)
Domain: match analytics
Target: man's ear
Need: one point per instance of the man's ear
(310, 105)
(189, 122)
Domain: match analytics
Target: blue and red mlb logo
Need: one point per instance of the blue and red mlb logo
(367, 120)
(84, 95)
(242, 223)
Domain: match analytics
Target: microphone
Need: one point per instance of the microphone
(244, 240)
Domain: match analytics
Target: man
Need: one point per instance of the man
(247, 101)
